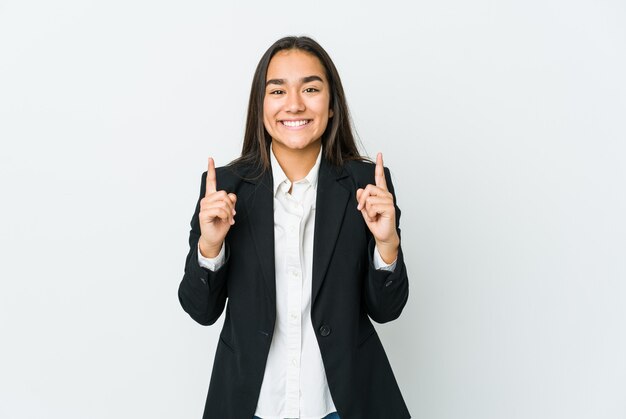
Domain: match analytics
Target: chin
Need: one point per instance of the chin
(297, 144)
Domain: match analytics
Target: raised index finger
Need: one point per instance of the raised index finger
(211, 182)
(379, 173)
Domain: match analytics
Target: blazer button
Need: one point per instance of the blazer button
(325, 330)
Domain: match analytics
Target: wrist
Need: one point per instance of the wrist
(209, 251)
(388, 250)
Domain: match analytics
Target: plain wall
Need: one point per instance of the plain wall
(503, 123)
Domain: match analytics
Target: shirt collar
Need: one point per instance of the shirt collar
(280, 177)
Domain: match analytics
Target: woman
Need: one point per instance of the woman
(300, 235)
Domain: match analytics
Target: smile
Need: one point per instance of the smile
(294, 124)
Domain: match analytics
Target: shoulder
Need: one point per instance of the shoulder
(359, 167)
(231, 176)
(362, 172)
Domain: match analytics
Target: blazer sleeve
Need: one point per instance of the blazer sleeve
(386, 292)
(202, 293)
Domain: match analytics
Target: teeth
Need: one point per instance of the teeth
(295, 123)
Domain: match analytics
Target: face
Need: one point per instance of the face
(297, 100)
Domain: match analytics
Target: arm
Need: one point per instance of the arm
(385, 292)
(202, 292)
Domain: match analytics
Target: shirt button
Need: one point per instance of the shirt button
(294, 362)
(325, 330)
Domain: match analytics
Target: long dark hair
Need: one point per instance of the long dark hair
(338, 141)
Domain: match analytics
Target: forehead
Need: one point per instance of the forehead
(294, 64)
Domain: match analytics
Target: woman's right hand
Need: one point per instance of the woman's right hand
(217, 214)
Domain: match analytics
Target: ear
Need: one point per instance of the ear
(330, 113)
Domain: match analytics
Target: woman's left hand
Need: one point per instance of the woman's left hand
(376, 205)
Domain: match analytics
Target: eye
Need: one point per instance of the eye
(311, 90)
(277, 92)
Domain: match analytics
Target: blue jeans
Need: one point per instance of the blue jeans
(331, 416)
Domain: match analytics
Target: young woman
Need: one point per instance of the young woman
(300, 236)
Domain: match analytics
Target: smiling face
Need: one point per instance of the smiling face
(296, 106)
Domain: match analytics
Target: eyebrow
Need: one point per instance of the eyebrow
(306, 79)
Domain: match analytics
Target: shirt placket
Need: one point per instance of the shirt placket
(294, 301)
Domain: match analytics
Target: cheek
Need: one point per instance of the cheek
(323, 107)
(265, 109)
(323, 111)
(267, 113)
(271, 107)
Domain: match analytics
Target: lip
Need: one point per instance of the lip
(295, 127)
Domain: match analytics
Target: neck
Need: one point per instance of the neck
(296, 163)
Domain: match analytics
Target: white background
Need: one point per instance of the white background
(503, 123)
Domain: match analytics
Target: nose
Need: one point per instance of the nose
(294, 102)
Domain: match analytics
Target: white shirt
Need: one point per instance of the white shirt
(294, 384)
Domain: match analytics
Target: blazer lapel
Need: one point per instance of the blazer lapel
(259, 204)
(333, 191)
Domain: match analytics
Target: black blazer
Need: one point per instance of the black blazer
(347, 292)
